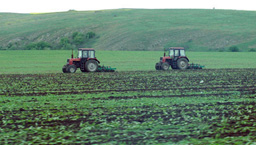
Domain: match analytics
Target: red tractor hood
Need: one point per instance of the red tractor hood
(165, 57)
(70, 61)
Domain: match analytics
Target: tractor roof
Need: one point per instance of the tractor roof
(176, 48)
(85, 49)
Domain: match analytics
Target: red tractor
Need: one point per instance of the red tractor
(176, 59)
(86, 61)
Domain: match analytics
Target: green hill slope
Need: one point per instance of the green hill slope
(134, 29)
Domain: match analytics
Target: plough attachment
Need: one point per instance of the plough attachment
(105, 69)
(195, 66)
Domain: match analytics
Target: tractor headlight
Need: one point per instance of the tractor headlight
(161, 58)
(67, 60)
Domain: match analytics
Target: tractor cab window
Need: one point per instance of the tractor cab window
(171, 53)
(91, 54)
(182, 53)
(85, 54)
(176, 53)
(79, 55)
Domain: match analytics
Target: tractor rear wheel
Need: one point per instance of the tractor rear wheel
(165, 66)
(71, 69)
(91, 66)
(182, 63)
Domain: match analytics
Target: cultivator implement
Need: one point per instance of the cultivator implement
(106, 69)
(195, 66)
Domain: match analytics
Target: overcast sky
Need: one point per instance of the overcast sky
(39, 6)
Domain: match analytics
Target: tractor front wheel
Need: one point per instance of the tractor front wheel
(91, 66)
(182, 63)
(71, 69)
(165, 66)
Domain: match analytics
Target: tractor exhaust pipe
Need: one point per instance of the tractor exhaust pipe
(164, 54)
(72, 56)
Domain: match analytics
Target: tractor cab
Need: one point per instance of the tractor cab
(86, 53)
(176, 52)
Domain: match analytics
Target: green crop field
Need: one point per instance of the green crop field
(51, 61)
(209, 106)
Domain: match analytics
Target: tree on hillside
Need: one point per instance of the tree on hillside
(78, 38)
(65, 43)
(38, 46)
(234, 49)
(90, 35)
(252, 50)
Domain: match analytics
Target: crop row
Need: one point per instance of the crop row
(176, 81)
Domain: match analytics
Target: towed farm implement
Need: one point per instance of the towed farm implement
(86, 61)
(176, 59)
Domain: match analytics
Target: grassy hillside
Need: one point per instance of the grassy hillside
(134, 29)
